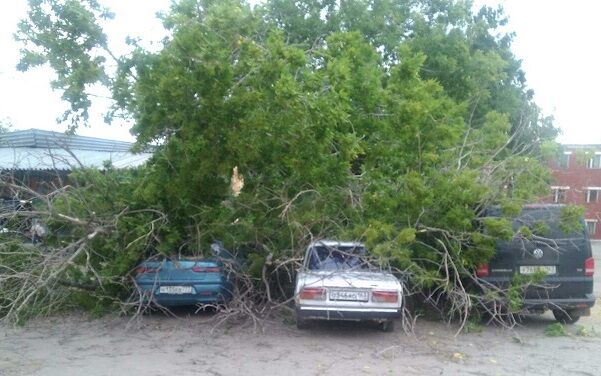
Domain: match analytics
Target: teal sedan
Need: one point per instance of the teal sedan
(186, 281)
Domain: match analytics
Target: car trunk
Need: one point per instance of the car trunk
(349, 289)
(181, 271)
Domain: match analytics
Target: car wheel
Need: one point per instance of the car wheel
(408, 305)
(387, 326)
(302, 324)
(566, 316)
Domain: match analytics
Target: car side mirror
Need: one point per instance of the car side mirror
(219, 251)
(216, 249)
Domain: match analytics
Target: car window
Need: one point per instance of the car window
(337, 258)
(551, 218)
(543, 221)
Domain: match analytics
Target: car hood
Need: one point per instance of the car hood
(345, 279)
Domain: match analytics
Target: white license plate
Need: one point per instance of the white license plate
(353, 296)
(175, 290)
(531, 269)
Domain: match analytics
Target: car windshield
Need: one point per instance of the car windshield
(323, 257)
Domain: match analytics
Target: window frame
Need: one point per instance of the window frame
(589, 190)
(564, 161)
(594, 163)
(559, 194)
(590, 222)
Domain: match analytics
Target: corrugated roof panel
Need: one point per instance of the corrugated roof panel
(28, 158)
(37, 138)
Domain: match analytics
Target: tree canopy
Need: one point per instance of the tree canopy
(394, 122)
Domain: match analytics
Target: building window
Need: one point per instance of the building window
(559, 194)
(595, 161)
(591, 226)
(592, 194)
(564, 161)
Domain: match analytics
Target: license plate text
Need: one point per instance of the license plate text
(531, 269)
(354, 296)
(175, 290)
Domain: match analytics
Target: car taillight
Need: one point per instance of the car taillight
(482, 270)
(312, 293)
(589, 267)
(144, 270)
(206, 269)
(385, 296)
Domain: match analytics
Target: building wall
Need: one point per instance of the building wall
(16, 184)
(577, 176)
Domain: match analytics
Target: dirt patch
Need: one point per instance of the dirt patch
(159, 345)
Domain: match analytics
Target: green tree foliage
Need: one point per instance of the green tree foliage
(393, 122)
(66, 36)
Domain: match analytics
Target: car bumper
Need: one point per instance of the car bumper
(587, 301)
(327, 313)
(564, 293)
(202, 294)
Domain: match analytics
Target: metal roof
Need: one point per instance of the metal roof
(37, 138)
(36, 149)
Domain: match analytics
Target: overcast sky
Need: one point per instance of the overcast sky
(557, 41)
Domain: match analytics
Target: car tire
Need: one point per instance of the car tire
(302, 324)
(566, 316)
(387, 326)
(408, 305)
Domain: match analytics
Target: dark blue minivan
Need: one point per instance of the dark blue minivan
(562, 254)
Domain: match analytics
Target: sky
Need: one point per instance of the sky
(26, 99)
(556, 40)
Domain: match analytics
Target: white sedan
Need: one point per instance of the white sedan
(337, 282)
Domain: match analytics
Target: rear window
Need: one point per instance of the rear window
(558, 226)
(337, 258)
(547, 222)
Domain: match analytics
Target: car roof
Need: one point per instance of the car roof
(332, 243)
(543, 206)
(495, 210)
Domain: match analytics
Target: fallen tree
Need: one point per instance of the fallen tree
(393, 123)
